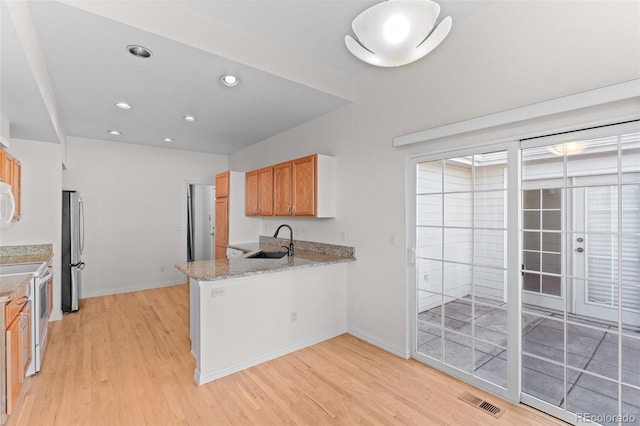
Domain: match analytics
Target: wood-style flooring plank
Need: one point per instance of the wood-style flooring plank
(124, 360)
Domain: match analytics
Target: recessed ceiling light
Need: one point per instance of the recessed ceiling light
(189, 118)
(139, 51)
(167, 140)
(230, 80)
(123, 105)
(114, 132)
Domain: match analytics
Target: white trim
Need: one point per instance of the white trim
(617, 92)
(201, 378)
(463, 151)
(116, 290)
(550, 409)
(381, 343)
(602, 132)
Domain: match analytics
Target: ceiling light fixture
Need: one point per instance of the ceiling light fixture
(123, 105)
(167, 140)
(570, 148)
(114, 132)
(230, 80)
(139, 51)
(189, 118)
(397, 32)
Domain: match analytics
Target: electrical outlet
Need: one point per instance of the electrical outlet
(217, 292)
(162, 269)
(343, 236)
(426, 277)
(294, 316)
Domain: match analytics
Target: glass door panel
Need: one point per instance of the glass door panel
(461, 298)
(581, 276)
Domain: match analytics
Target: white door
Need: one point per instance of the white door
(596, 250)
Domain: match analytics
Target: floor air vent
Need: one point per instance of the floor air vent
(482, 404)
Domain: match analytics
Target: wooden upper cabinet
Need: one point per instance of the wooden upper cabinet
(222, 185)
(258, 192)
(265, 191)
(16, 186)
(251, 193)
(10, 172)
(282, 199)
(303, 186)
(6, 161)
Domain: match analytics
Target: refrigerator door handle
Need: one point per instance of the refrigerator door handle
(79, 265)
(81, 225)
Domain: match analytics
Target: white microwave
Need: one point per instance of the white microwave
(7, 204)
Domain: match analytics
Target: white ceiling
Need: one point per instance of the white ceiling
(289, 55)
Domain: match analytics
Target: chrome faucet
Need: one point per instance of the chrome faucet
(290, 248)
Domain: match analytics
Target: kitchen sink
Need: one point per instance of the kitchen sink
(268, 255)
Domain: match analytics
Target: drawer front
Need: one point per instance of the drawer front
(12, 308)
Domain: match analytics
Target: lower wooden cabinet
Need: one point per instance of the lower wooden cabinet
(222, 227)
(18, 347)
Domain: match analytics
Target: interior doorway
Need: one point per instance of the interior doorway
(200, 222)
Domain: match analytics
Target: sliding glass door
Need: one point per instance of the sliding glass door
(461, 297)
(581, 276)
(527, 270)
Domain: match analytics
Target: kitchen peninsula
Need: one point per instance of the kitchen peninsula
(245, 311)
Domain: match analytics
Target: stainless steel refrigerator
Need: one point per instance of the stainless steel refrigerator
(72, 247)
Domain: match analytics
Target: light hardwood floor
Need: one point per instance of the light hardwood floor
(124, 360)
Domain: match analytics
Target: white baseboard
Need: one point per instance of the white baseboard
(264, 357)
(115, 290)
(381, 343)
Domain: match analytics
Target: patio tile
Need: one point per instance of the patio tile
(426, 336)
(598, 386)
(584, 400)
(631, 402)
(540, 384)
(495, 319)
(495, 371)
(550, 369)
(607, 352)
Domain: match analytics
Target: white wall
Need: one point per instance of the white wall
(135, 206)
(41, 197)
(507, 55)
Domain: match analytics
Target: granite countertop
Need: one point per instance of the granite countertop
(25, 254)
(10, 284)
(245, 247)
(307, 256)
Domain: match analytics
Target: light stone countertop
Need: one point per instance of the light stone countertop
(10, 284)
(220, 269)
(10, 255)
(245, 247)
